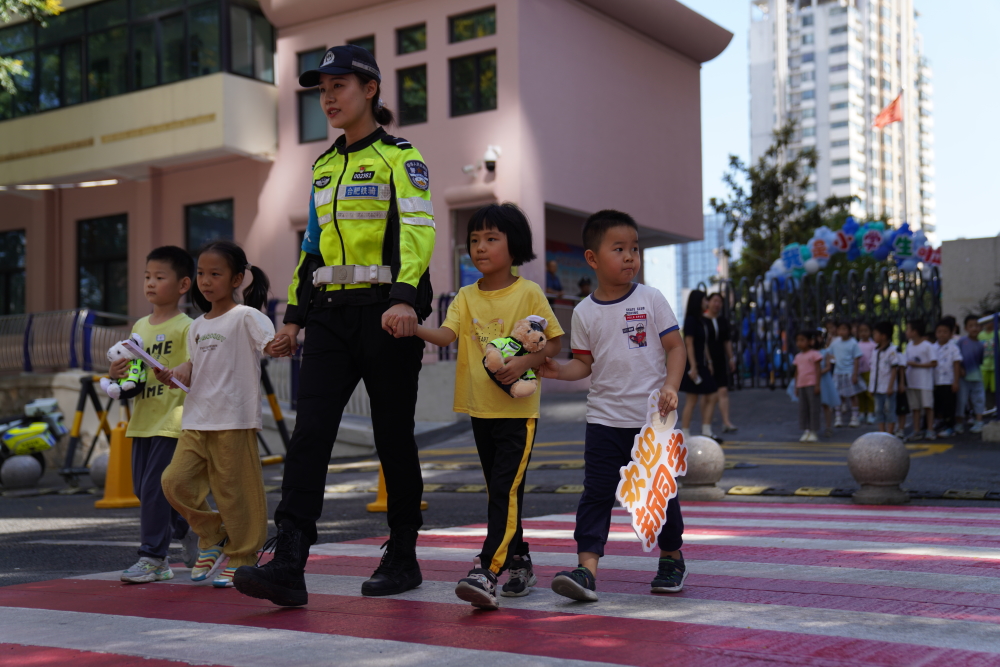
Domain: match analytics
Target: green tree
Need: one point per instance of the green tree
(35, 10)
(766, 206)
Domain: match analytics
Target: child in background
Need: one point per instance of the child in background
(218, 446)
(866, 402)
(499, 237)
(807, 373)
(828, 389)
(970, 387)
(847, 361)
(988, 369)
(156, 416)
(920, 364)
(882, 379)
(946, 377)
(624, 374)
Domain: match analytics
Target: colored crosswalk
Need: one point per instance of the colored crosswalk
(770, 584)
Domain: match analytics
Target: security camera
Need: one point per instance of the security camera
(491, 156)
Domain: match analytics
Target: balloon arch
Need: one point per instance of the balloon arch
(766, 314)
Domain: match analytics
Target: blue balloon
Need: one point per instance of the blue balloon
(909, 265)
(851, 226)
(881, 252)
(853, 253)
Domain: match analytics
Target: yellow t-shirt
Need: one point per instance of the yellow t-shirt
(158, 410)
(477, 317)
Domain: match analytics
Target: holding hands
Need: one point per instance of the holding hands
(400, 320)
(167, 375)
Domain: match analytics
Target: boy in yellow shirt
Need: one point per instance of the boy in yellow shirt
(499, 237)
(156, 416)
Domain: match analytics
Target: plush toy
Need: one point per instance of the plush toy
(132, 384)
(528, 336)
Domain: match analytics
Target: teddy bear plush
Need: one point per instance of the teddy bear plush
(135, 381)
(527, 336)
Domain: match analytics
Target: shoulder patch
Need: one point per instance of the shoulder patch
(419, 174)
(321, 182)
(402, 144)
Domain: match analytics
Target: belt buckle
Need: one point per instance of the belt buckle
(373, 274)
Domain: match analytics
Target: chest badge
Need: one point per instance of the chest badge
(365, 172)
(320, 183)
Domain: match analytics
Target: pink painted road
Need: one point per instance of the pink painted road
(769, 584)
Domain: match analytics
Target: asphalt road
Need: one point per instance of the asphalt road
(50, 536)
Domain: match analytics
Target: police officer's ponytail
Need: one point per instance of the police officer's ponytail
(254, 295)
(383, 115)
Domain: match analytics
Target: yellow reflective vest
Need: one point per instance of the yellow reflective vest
(370, 204)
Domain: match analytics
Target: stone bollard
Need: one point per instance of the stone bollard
(705, 465)
(99, 469)
(20, 472)
(879, 462)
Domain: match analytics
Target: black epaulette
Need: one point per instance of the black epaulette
(399, 143)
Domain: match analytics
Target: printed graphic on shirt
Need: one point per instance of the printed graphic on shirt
(635, 326)
(483, 332)
(209, 336)
(158, 351)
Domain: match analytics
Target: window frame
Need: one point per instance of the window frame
(463, 15)
(401, 120)
(303, 98)
(6, 273)
(187, 221)
(104, 262)
(354, 42)
(399, 38)
(478, 91)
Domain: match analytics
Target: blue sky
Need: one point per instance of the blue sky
(959, 40)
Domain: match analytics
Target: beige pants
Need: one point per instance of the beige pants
(227, 463)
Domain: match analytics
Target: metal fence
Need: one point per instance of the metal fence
(60, 339)
(765, 318)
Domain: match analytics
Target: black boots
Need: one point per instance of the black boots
(282, 579)
(398, 572)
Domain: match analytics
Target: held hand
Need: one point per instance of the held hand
(291, 332)
(693, 374)
(119, 369)
(954, 387)
(668, 400)
(183, 374)
(400, 320)
(513, 369)
(165, 376)
(279, 347)
(816, 390)
(549, 369)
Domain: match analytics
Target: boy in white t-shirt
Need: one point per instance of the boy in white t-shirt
(946, 377)
(920, 363)
(626, 336)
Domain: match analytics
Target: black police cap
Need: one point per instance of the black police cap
(348, 59)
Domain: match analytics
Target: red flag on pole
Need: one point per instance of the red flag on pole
(891, 114)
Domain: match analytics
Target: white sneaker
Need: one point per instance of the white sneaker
(147, 570)
(871, 417)
(837, 422)
(854, 422)
(959, 429)
(812, 437)
(805, 436)
(976, 428)
(189, 543)
(930, 435)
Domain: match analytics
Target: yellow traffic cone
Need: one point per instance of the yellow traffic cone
(118, 483)
(381, 503)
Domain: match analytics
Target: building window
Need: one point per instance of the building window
(838, 125)
(102, 258)
(841, 181)
(472, 25)
(838, 105)
(312, 120)
(808, 94)
(838, 86)
(473, 83)
(839, 143)
(841, 162)
(838, 30)
(412, 39)
(367, 43)
(808, 57)
(808, 38)
(12, 272)
(807, 20)
(208, 222)
(809, 113)
(838, 68)
(809, 132)
(104, 49)
(412, 93)
(840, 48)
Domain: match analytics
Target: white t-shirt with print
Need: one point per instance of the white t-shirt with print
(623, 336)
(922, 353)
(947, 355)
(225, 375)
(883, 365)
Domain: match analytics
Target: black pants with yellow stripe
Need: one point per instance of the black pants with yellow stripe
(504, 450)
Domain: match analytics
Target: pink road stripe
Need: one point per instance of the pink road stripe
(980, 607)
(860, 509)
(44, 656)
(889, 537)
(805, 516)
(518, 631)
(872, 561)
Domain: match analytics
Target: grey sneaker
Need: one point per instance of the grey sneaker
(480, 588)
(522, 578)
(189, 543)
(147, 570)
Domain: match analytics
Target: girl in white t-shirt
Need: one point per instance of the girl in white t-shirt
(217, 449)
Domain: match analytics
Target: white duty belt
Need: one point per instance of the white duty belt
(352, 274)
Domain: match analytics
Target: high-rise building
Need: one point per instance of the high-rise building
(833, 65)
(700, 262)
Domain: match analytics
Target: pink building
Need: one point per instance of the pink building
(193, 107)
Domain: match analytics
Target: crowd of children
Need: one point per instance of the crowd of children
(938, 378)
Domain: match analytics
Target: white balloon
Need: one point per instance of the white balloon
(812, 265)
(779, 266)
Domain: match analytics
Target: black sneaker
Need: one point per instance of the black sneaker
(522, 578)
(578, 584)
(670, 576)
(480, 588)
(281, 580)
(398, 570)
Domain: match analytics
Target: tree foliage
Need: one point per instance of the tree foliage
(34, 10)
(766, 206)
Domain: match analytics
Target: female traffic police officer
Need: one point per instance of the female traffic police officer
(359, 289)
